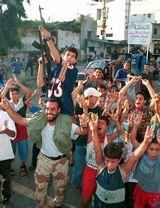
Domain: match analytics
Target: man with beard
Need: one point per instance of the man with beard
(51, 159)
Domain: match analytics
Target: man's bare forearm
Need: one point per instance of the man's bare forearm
(40, 76)
(54, 52)
(124, 90)
(28, 92)
(138, 152)
(4, 91)
(97, 148)
(16, 117)
(9, 132)
(46, 35)
(151, 90)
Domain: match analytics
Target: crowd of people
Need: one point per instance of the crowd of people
(105, 129)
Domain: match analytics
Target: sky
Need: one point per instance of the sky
(149, 6)
(65, 10)
(61, 10)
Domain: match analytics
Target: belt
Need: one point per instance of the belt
(55, 158)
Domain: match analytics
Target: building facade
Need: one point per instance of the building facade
(155, 44)
(116, 14)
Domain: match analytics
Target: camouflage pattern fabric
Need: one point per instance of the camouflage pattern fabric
(59, 171)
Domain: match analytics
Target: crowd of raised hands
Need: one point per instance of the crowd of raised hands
(132, 117)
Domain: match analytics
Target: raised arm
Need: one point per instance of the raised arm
(40, 74)
(77, 93)
(8, 85)
(139, 151)
(28, 92)
(124, 90)
(97, 146)
(4, 104)
(53, 50)
(149, 87)
(135, 122)
(7, 131)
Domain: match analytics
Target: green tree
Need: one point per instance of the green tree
(11, 12)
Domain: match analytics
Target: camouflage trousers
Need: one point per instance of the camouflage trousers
(59, 171)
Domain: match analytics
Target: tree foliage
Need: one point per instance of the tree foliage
(73, 25)
(11, 12)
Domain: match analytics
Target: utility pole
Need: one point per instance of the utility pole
(128, 5)
(104, 18)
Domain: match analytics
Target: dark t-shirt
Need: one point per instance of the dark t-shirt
(121, 75)
(67, 86)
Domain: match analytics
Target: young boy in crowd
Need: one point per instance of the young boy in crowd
(67, 80)
(110, 190)
(90, 170)
(147, 191)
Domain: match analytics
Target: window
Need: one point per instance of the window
(155, 31)
(109, 35)
(91, 49)
(98, 14)
(89, 34)
(102, 32)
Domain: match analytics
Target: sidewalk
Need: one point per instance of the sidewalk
(23, 189)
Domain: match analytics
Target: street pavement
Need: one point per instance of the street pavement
(23, 190)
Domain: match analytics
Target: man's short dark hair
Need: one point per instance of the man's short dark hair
(154, 140)
(54, 99)
(140, 93)
(115, 88)
(144, 92)
(113, 151)
(73, 50)
(104, 118)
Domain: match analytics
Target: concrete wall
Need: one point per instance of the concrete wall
(64, 39)
(28, 39)
(88, 32)
(68, 38)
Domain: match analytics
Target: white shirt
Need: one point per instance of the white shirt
(17, 106)
(6, 151)
(91, 155)
(48, 146)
